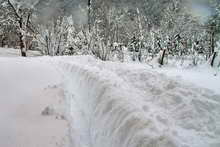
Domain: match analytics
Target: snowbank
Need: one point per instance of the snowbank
(126, 105)
(109, 105)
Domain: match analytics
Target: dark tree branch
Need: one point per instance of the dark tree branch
(13, 8)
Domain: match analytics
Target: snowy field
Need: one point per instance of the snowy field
(83, 102)
(202, 76)
(10, 52)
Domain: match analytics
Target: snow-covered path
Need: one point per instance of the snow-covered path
(107, 104)
(27, 88)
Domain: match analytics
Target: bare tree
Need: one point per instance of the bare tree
(22, 17)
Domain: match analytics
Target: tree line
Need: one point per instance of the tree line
(141, 30)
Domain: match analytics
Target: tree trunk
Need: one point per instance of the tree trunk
(21, 39)
(22, 46)
(23, 54)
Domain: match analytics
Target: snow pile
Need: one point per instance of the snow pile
(126, 105)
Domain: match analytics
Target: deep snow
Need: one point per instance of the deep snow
(108, 104)
(131, 105)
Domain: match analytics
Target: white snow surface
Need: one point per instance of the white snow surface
(203, 76)
(27, 88)
(129, 105)
(10, 52)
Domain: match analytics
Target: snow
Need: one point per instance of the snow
(105, 104)
(10, 52)
(203, 76)
(130, 105)
(27, 87)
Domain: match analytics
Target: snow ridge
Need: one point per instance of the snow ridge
(115, 105)
(111, 118)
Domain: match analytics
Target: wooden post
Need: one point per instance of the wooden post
(213, 59)
(163, 56)
(212, 40)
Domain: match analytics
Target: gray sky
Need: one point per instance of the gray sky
(200, 9)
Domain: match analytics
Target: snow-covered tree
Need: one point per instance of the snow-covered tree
(52, 36)
(20, 15)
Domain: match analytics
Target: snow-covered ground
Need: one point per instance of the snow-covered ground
(10, 52)
(202, 76)
(32, 104)
(106, 104)
(131, 105)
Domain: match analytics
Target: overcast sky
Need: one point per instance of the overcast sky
(200, 9)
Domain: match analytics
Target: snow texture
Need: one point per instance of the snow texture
(10, 52)
(107, 105)
(131, 105)
(28, 86)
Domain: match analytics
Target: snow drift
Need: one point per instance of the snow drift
(121, 105)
